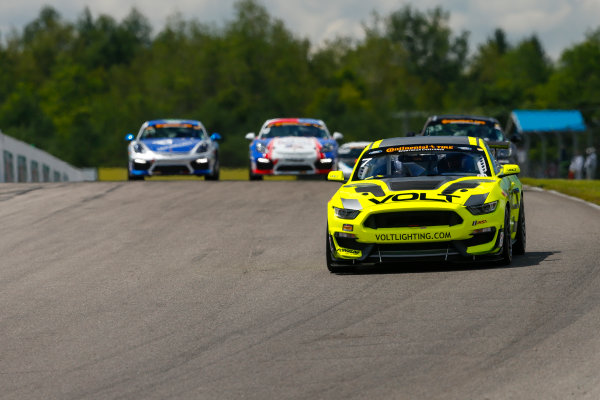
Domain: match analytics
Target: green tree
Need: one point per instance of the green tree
(576, 81)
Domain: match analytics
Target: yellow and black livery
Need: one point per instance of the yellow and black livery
(435, 198)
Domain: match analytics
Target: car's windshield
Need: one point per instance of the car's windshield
(172, 131)
(296, 129)
(460, 161)
(457, 127)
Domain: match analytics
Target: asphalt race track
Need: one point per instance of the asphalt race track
(218, 290)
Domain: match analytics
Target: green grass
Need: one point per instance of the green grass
(583, 189)
(227, 174)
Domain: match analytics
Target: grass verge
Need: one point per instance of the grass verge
(227, 174)
(583, 189)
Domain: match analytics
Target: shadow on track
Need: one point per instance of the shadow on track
(530, 259)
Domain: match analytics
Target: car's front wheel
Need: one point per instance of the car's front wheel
(520, 244)
(214, 175)
(252, 176)
(507, 249)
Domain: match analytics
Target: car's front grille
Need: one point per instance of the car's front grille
(171, 170)
(291, 168)
(405, 219)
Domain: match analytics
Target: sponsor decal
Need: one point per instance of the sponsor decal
(419, 148)
(284, 123)
(475, 223)
(349, 251)
(412, 196)
(463, 121)
(407, 237)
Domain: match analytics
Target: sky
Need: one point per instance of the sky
(559, 24)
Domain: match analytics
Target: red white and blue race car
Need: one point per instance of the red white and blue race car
(292, 146)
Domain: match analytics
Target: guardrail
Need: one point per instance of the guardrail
(22, 162)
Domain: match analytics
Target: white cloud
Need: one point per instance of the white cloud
(558, 23)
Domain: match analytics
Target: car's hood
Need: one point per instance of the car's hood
(419, 191)
(290, 146)
(175, 145)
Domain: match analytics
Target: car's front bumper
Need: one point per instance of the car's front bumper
(162, 164)
(292, 166)
(475, 236)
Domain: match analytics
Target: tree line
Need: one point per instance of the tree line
(75, 89)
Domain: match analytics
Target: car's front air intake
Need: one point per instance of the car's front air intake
(405, 219)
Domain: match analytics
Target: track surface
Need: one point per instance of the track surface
(218, 290)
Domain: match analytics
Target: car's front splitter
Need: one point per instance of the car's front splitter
(347, 250)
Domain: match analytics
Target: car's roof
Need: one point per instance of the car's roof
(294, 121)
(465, 117)
(419, 140)
(173, 121)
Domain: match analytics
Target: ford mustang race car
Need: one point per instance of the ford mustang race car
(292, 146)
(173, 147)
(436, 198)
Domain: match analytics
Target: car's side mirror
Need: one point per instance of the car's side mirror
(215, 136)
(337, 136)
(509, 169)
(336, 176)
(250, 136)
(129, 137)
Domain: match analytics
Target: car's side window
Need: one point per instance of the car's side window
(495, 164)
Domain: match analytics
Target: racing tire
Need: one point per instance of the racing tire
(507, 248)
(214, 176)
(254, 177)
(333, 268)
(521, 242)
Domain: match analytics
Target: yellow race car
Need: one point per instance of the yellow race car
(432, 198)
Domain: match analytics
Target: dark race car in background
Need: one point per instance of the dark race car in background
(348, 153)
(292, 146)
(486, 128)
(173, 147)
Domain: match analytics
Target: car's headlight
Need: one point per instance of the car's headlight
(484, 208)
(138, 148)
(345, 213)
(202, 148)
(261, 148)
